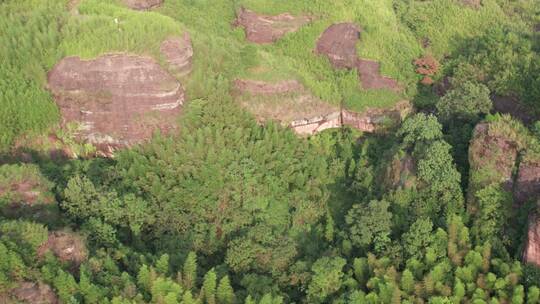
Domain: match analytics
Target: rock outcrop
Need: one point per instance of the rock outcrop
(34, 293)
(178, 52)
(142, 4)
(290, 103)
(527, 184)
(374, 118)
(116, 100)
(338, 44)
(531, 252)
(67, 246)
(492, 158)
(263, 29)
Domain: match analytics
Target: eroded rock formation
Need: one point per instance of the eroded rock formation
(142, 4)
(374, 118)
(338, 44)
(34, 293)
(267, 29)
(178, 52)
(290, 103)
(117, 100)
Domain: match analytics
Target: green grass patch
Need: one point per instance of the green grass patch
(104, 27)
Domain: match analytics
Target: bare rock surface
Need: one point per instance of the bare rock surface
(338, 44)
(67, 246)
(178, 51)
(513, 106)
(117, 99)
(263, 29)
(493, 154)
(289, 102)
(531, 253)
(142, 4)
(527, 184)
(34, 293)
(374, 118)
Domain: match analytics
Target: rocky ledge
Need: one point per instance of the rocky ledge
(116, 100)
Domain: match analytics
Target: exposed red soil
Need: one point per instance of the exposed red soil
(68, 247)
(400, 172)
(255, 87)
(178, 51)
(264, 29)
(531, 252)
(527, 185)
(117, 100)
(34, 293)
(142, 4)
(338, 43)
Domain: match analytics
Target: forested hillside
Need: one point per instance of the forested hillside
(270, 152)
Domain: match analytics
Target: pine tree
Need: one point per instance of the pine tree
(225, 293)
(190, 271)
(187, 298)
(209, 287)
(407, 281)
(162, 265)
(144, 279)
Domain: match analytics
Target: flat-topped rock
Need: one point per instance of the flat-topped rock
(116, 99)
(338, 44)
(373, 119)
(142, 4)
(255, 87)
(264, 29)
(178, 52)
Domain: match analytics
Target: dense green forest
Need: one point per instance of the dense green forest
(231, 210)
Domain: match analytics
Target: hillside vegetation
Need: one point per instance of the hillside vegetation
(228, 210)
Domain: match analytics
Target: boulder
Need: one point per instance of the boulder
(116, 100)
(338, 44)
(34, 293)
(531, 252)
(178, 52)
(67, 246)
(263, 29)
(142, 4)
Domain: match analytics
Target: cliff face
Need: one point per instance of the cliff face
(502, 153)
(531, 253)
(263, 29)
(291, 104)
(117, 100)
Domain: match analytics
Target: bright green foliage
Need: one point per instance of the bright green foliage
(225, 293)
(466, 102)
(419, 129)
(209, 287)
(189, 271)
(326, 280)
(29, 36)
(369, 224)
